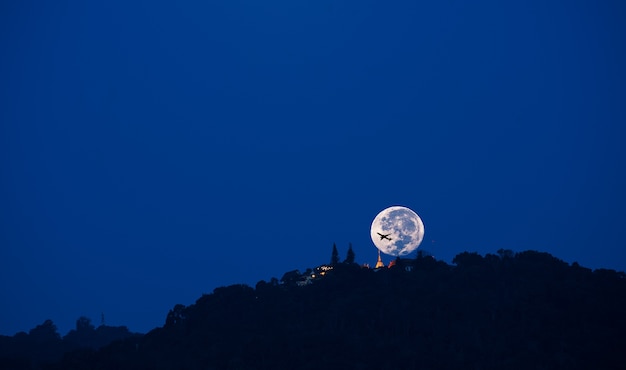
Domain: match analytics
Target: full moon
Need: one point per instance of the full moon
(397, 231)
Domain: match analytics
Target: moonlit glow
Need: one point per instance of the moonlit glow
(397, 231)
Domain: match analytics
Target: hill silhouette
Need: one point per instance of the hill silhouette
(528, 310)
(43, 344)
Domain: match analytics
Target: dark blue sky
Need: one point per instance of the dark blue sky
(151, 152)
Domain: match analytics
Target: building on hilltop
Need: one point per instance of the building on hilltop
(379, 263)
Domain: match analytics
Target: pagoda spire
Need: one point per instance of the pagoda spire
(379, 263)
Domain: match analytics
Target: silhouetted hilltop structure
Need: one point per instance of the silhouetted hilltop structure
(528, 310)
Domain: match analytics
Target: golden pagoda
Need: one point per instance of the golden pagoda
(379, 263)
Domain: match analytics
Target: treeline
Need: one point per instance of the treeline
(528, 310)
(44, 345)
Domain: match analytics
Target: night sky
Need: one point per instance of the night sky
(152, 151)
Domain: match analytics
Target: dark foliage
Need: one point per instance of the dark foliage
(43, 344)
(350, 255)
(334, 258)
(523, 311)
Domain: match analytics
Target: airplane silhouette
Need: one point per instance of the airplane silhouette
(385, 236)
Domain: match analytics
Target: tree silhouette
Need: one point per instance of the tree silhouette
(44, 332)
(83, 324)
(505, 253)
(176, 316)
(334, 258)
(291, 277)
(349, 255)
(529, 311)
(467, 259)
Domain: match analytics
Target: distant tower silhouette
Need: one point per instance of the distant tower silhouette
(379, 263)
(102, 319)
